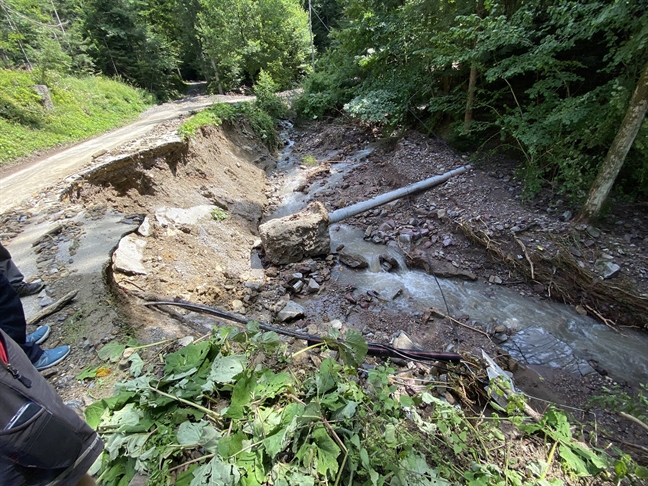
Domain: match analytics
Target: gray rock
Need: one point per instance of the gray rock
(606, 268)
(313, 286)
(128, 257)
(293, 238)
(494, 279)
(353, 260)
(145, 229)
(237, 305)
(292, 310)
(298, 285)
(45, 301)
(593, 232)
(441, 213)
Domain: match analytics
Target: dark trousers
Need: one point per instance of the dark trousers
(9, 268)
(12, 319)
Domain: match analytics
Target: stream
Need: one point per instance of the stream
(538, 332)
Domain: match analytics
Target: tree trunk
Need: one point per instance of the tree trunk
(218, 83)
(472, 85)
(472, 80)
(618, 150)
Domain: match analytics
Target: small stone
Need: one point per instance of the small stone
(336, 324)
(441, 213)
(593, 232)
(292, 310)
(297, 286)
(313, 286)
(581, 310)
(185, 341)
(494, 279)
(606, 268)
(45, 301)
(237, 305)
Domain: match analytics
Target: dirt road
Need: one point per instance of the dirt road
(42, 173)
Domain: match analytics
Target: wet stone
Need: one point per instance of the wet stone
(292, 310)
(536, 346)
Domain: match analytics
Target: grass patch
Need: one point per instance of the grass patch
(258, 120)
(218, 214)
(309, 160)
(83, 107)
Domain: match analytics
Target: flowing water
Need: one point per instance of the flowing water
(542, 332)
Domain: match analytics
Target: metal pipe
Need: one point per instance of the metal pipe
(361, 207)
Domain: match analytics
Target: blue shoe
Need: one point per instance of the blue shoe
(52, 357)
(38, 336)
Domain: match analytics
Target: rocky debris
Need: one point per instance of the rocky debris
(352, 260)
(128, 258)
(293, 238)
(291, 311)
(606, 268)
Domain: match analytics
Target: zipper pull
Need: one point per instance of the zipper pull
(16, 374)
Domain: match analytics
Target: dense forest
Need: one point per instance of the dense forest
(561, 85)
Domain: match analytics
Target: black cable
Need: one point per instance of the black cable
(374, 349)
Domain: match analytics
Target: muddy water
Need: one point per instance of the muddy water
(538, 332)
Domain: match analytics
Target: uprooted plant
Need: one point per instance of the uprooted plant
(238, 408)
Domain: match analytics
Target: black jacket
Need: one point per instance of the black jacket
(54, 446)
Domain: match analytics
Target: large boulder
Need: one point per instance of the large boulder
(293, 238)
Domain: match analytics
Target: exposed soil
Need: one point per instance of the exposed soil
(476, 225)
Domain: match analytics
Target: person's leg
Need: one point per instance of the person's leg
(12, 320)
(17, 280)
(9, 269)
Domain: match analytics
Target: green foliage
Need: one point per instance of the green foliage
(261, 123)
(267, 100)
(554, 79)
(217, 414)
(83, 107)
(309, 160)
(243, 37)
(253, 114)
(218, 214)
(619, 401)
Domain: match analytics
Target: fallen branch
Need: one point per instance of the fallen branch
(51, 309)
(635, 420)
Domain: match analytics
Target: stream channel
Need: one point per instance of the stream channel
(544, 333)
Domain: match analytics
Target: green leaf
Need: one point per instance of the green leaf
(94, 412)
(327, 452)
(88, 372)
(231, 445)
(224, 369)
(185, 361)
(216, 473)
(641, 472)
(327, 376)
(111, 351)
(572, 461)
(241, 394)
(198, 434)
(137, 365)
